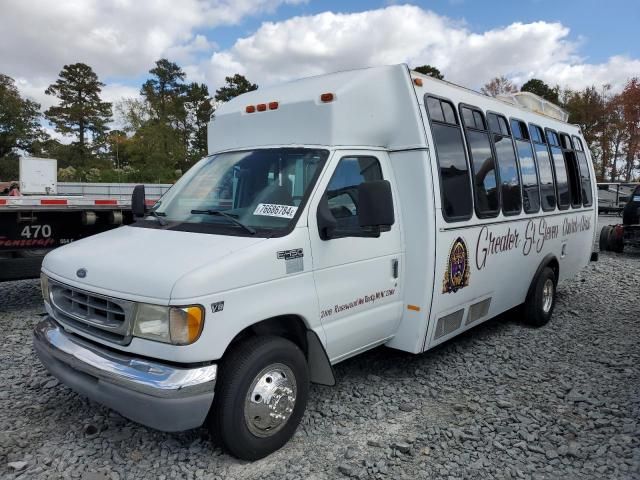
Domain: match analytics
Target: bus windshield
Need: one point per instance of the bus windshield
(251, 192)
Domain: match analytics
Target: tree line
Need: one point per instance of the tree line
(159, 135)
(164, 131)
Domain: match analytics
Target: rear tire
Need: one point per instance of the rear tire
(261, 396)
(604, 238)
(541, 301)
(615, 242)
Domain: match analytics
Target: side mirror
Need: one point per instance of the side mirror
(138, 206)
(375, 204)
(326, 221)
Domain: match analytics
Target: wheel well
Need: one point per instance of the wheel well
(555, 266)
(294, 329)
(291, 327)
(548, 261)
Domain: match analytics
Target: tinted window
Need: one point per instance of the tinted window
(573, 173)
(494, 125)
(509, 177)
(449, 115)
(515, 128)
(484, 171)
(562, 182)
(587, 195)
(530, 192)
(342, 191)
(435, 110)
(467, 117)
(552, 138)
(547, 189)
(536, 134)
(455, 189)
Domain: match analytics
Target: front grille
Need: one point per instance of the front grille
(99, 315)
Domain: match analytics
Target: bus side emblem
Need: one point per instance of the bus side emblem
(457, 273)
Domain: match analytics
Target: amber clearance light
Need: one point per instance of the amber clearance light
(326, 97)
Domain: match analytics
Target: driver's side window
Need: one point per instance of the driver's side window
(342, 191)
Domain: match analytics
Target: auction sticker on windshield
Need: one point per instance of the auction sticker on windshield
(274, 210)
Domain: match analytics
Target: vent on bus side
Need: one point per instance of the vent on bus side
(478, 310)
(449, 323)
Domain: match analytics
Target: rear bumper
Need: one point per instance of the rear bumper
(155, 394)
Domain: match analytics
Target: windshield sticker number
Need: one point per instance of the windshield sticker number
(273, 210)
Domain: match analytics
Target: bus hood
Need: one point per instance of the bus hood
(140, 264)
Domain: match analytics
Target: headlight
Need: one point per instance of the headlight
(44, 287)
(176, 325)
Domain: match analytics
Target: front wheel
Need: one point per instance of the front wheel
(261, 397)
(541, 299)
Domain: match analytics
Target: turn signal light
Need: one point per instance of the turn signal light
(417, 82)
(273, 105)
(326, 97)
(250, 109)
(262, 107)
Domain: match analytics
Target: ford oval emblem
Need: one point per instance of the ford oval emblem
(81, 273)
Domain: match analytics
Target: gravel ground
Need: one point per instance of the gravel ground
(501, 401)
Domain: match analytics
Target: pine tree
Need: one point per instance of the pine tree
(235, 86)
(199, 110)
(541, 89)
(80, 112)
(430, 71)
(163, 94)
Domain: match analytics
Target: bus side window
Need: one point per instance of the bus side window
(545, 169)
(507, 164)
(562, 182)
(573, 173)
(455, 183)
(528, 168)
(483, 165)
(587, 194)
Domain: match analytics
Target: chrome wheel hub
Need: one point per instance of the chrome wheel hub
(547, 295)
(270, 400)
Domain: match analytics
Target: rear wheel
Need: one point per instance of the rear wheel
(541, 300)
(615, 241)
(261, 397)
(604, 238)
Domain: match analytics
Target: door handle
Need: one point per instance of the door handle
(394, 267)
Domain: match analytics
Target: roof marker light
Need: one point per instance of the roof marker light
(261, 107)
(417, 82)
(250, 109)
(326, 97)
(273, 105)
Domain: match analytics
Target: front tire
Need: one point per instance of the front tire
(261, 396)
(541, 300)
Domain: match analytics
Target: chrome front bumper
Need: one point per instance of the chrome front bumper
(155, 394)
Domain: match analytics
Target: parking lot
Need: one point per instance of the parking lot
(500, 401)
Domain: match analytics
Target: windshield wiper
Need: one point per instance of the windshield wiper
(161, 220)
(249, 229)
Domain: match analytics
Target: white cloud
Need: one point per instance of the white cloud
(326, 42)
(116, 37)
(122, 38)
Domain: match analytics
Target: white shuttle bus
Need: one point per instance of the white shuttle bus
(333, 214)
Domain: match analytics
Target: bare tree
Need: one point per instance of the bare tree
(498, 86)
